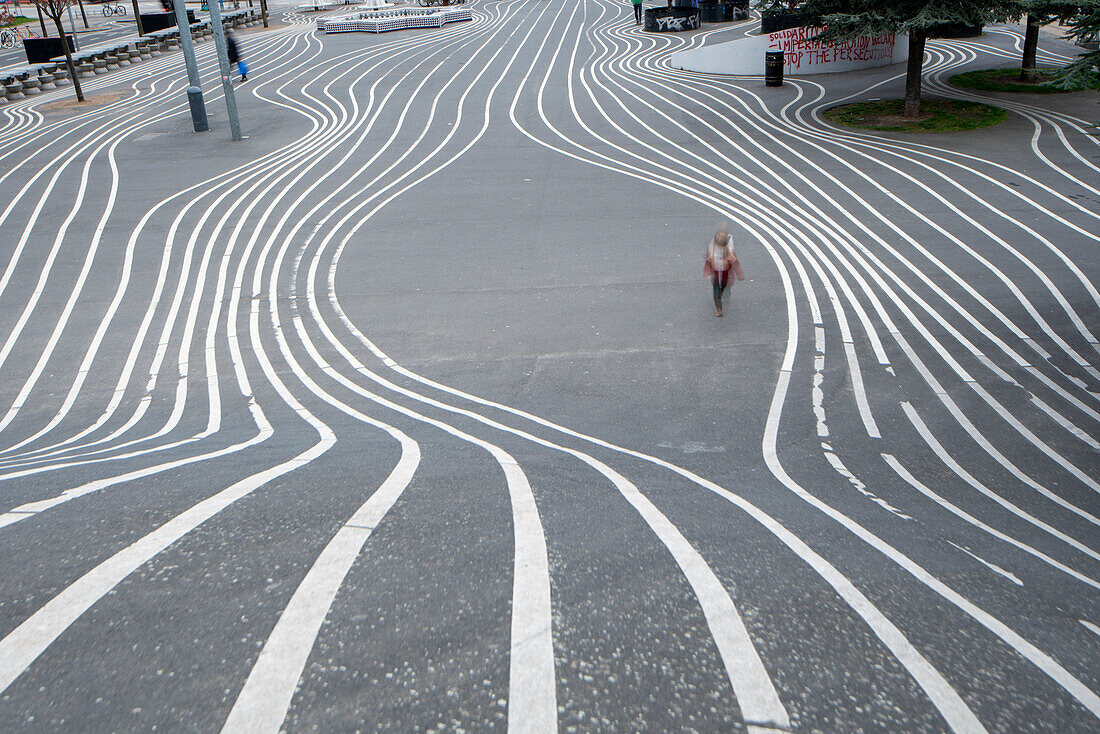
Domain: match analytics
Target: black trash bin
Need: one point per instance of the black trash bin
(773, 68)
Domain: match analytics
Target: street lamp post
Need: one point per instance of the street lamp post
(72, 24)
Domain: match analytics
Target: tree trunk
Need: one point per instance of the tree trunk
(69, 60)
(137, 18)
(1031, 45)
(913, 70)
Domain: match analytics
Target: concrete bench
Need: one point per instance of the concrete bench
(13, 87)
(46, 78)
(99, 62)
(82, 62)
(380, 21)
(60, 75)
(29, 80)
(158, 41)
(89, 59)
(120, 54)
(123, 54)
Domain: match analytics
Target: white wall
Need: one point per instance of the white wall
(745, 56)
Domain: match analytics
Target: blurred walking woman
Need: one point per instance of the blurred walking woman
(232, 51)
(720, 261)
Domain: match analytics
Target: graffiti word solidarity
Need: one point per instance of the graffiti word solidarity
(800, 52)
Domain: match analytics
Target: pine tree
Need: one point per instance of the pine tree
(1084, 28)
(1039, 13)
(846, 19)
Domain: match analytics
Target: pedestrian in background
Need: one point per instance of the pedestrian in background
(719, 262)
(637, 12)
(234, 55)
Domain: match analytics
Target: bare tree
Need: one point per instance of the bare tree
(54, 9)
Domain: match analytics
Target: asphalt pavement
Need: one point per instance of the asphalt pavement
(411, 411)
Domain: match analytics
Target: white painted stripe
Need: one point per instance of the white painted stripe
(25, 643)
(969, 478)
(262, 704)
(991, 566)
(904, 473)
(532, 695)
(1060, 420)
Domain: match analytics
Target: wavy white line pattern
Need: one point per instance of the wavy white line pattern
(171, 362)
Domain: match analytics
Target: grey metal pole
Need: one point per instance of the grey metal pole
(194, 91)
(223, 64)
(72, 24)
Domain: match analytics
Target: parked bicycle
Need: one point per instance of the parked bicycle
(116, 9)
(12, 37)
(429, 3)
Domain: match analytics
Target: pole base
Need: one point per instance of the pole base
(198, 109)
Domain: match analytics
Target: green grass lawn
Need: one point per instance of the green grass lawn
(17, 20)
(937, 115)
(1008, 80)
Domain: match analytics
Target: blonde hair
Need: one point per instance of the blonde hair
(722, 236)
